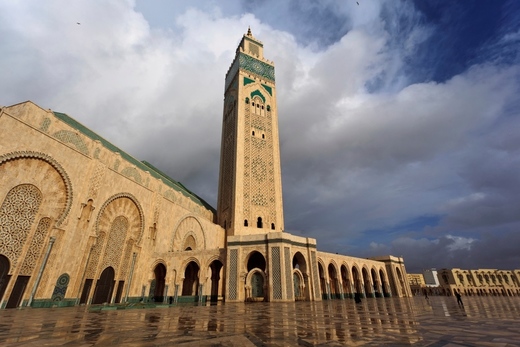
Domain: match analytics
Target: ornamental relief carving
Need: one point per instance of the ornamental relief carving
(17, 214)
(20, 168)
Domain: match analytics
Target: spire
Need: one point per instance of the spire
(249, 32)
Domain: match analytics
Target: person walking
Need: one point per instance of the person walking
(459, 298)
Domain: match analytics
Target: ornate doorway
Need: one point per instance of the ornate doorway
(257, 285)
(104, 287)
(160, 274)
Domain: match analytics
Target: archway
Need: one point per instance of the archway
(257, 285)
(190, 284)
(160, 275)
(215, 267)
(256, 260)
(333, 281)
(384, 285)
(4, 274)
(375, 283)
(358, 288)
(366, 281)
(301, 287)
(104, 287)
(347, 290)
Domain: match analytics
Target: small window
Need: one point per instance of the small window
(245, 222)
(247, 101)
(272, 226)
(188, 249)
(262, 107)
(257, 105)
(263, 136)
(268, 108)
(253, 103)
(253, 133)
(259, 223)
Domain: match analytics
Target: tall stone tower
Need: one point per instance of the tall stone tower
(262, 259)
(250, 184)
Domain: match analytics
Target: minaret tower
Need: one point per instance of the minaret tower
(250, 185)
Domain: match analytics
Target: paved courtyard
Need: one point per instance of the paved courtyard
(484, 321)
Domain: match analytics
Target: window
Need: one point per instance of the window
(272, 226)
(245, 223)
(259, 223)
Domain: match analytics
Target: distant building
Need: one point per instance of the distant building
(430, 278)
(416, 283)
(480, 281)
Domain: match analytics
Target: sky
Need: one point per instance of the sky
(399, 120)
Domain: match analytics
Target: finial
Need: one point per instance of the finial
(249, 31)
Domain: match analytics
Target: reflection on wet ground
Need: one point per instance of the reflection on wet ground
(439, 321)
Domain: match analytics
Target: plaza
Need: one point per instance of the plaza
(437, 321)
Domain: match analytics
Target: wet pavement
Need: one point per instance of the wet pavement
(438, 321)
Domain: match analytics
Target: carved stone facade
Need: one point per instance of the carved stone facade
(82, 222)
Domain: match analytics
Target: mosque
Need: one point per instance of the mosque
(83, 222)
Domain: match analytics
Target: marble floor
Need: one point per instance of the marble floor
(438, 321)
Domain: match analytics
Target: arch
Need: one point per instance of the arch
(256, 259)
(384, 283)
(366, 280)
(122, 204)
(333, 281)
(104, 286)
(189, 224)
(159, 276)
(190, 283)
(61, 210)
(356, 278)
(5, 267)
(299, 262)
(215, 267)
(299, 285)
(346, 281)
(375, 283)
(255, 287)
(299, 265)
(190, 244)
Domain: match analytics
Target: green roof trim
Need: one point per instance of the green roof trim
(269, 89)
(145, 166)
(257, 92)
(256, 66)
(248, 80)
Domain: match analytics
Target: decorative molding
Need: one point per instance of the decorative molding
(65, 177)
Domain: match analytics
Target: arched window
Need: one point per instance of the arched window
(253, 133)
(263, 136)
(272, 226)
(245, 223)
(259, 222)
(247, 101)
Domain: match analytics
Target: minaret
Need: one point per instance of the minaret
(250, 184)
